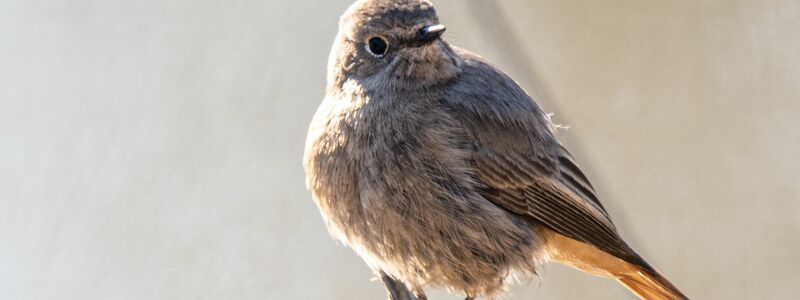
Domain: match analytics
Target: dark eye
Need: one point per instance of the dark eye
(377, 46)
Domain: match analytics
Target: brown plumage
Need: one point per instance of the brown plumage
(440, 171)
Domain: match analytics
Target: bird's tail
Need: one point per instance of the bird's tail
(650, 285)
(643, 280)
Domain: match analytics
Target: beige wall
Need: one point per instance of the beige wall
(152, 149)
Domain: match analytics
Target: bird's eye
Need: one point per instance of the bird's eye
(377, 46)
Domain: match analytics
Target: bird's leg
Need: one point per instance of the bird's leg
(399, 291)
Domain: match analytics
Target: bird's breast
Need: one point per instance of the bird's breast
(382, 158)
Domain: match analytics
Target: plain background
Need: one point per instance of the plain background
(152, 149)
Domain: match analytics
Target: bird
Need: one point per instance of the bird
(440, 171)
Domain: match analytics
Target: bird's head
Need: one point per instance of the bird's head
(391, 44)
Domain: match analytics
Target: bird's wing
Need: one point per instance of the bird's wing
(521, 165)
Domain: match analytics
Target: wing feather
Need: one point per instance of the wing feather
(521, 165)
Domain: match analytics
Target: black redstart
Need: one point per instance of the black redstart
(440, 171)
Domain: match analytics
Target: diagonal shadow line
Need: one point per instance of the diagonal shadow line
(497, 28)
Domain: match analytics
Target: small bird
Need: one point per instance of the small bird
(440, 171)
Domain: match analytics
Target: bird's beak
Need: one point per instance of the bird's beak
(430, 33)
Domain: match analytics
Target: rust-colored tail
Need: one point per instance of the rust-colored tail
(650, 286)
(641, 279)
